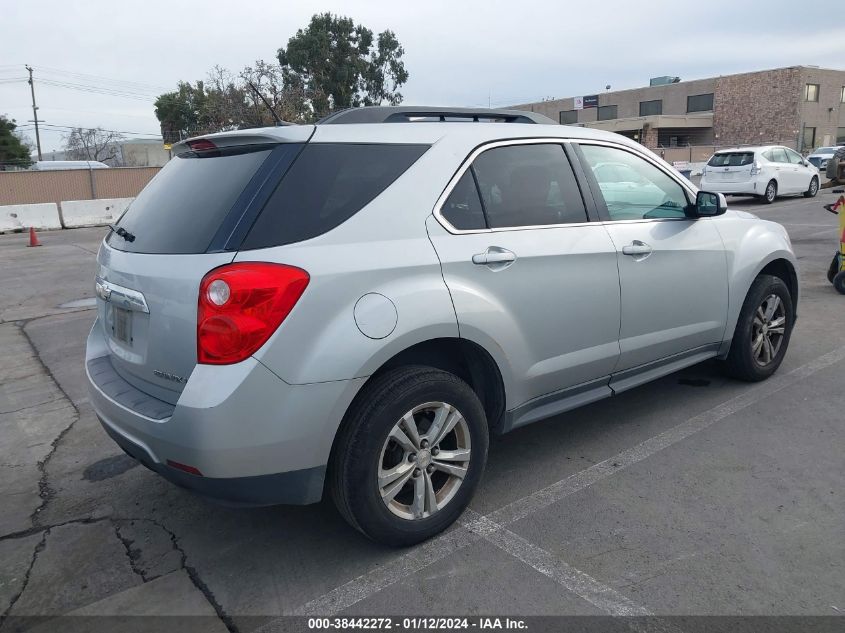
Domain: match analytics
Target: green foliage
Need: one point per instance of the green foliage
(13, 151)
(331, 64)
(341, 65)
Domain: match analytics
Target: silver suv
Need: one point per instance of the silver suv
(357, 306)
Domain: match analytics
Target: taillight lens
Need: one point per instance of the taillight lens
(755, 168)
(241, 305)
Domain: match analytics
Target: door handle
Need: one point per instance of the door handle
(636, 248)
(494, 256)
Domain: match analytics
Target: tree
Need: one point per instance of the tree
(331, 64)
(339, 64)
(14, 151)
(93, 144)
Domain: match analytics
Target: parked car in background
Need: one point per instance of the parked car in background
(55, 165)
(766, 172)
(352, 308)
(821, 155)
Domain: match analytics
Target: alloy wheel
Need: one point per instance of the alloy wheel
(424, 460)
(814, 187)
(770, 192)
(767, 330)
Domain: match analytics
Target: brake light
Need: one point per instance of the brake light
(201, 145)
(755, 168)
(241, 305)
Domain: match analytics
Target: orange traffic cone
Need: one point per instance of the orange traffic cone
(33, 238)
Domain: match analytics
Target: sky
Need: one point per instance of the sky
(458, 53)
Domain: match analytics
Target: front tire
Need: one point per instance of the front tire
(409, 456)
(762, 331)
(813, 188)
(771, 192)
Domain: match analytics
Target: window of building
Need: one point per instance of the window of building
(700, 103)
(633, 188)
(568, 117)
(809, 138)
(842, 95)
(840, 136)
(649, 108)
(811, 92)
(528, 185)
(606, 113)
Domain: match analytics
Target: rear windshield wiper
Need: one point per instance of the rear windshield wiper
(120, 231)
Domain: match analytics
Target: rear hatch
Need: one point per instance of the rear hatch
(734, 166)
(187, 221)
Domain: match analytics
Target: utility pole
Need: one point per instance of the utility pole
(34, 111)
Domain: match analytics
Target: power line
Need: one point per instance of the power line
(86, 76)
(82, 127)
(100, 90)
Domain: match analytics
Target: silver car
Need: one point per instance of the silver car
(354, 307)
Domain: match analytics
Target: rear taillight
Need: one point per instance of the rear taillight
(241, 305)
(755, 168)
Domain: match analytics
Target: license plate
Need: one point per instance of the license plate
(122, 325)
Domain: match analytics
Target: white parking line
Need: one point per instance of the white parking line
(582, 585)
(445, 545)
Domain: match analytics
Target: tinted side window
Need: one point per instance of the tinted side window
(328, 184)
(633, 188)
(528, 185)
(463, 207)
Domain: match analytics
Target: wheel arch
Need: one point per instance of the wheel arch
(779, 264)
(464, 358)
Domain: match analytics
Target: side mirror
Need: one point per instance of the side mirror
(708, 204)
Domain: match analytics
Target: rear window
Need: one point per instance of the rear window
(328, 184)
(181, 209)
(731, 159)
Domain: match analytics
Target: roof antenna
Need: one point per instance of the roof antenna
(272, 111)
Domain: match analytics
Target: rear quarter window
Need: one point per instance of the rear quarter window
(327, 185)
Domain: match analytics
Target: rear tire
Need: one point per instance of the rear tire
(813, 189)
(762, 331)
(376, 443)
(839, 282)
(771, 193)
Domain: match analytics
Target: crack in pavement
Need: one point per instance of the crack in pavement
(44, 490)
(39, 547)
(131, 554)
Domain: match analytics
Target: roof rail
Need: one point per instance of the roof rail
(406, 114)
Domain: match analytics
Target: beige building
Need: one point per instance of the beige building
(801, 107)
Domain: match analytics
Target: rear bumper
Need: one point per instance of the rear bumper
(297, 487)
(745, 188)
(255, 439)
